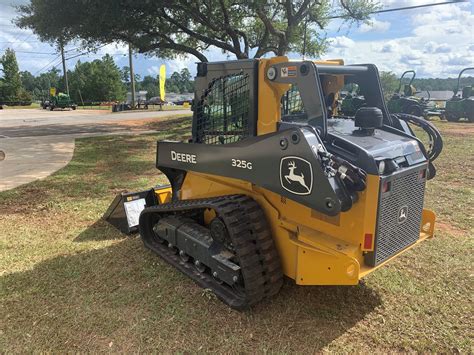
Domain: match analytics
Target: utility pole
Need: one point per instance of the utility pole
(64, 68)
(132, 75)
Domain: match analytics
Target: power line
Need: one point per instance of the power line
(47, 65)
(419, 6)
(55, 60)
(87, 52)
(27, 52)
(21, 42)
(403, 8)
(72, 49)
(17, 37)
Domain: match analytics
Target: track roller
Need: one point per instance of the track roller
(234, 255)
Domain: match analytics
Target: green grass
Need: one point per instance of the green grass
(70, 282)
(33, 105)
(100, 107)
(150, 107)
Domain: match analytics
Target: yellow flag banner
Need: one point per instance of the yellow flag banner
(52, 91)
(162, 81)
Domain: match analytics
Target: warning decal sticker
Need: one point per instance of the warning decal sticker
(288, 72)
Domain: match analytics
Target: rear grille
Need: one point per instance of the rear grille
(399, 214)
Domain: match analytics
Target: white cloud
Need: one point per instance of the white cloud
(439, 14)
(375, 26)
(390, 47)
(177, 65)
(433, 47)
(341, 42)
(154, 70)
(455, 60)
(114, 49)
(439, 44)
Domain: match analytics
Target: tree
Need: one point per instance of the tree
(180, 82)
(50, 79)
(442, 84)
(28, 81)
(389, 83)
(11, 80)
(99, 80)
(168, 29)
(174, 82)
(186, 82)
(150, 84)
(125, 74)
(110, 84)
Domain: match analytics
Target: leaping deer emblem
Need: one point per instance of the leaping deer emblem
(294, 177)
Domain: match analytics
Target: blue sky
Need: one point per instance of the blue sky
(436, 42)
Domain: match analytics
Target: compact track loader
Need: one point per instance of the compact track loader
(262, 191)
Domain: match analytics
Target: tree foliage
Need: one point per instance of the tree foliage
(178, 82)
(11, 89)
(99, 80)
(125, 71)
(442, 84)
(389, 82)
(150, 85)
(244, 28)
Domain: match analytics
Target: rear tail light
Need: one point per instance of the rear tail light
(368, 241)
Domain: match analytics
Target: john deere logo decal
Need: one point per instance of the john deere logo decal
(296, 175)
(402, 214)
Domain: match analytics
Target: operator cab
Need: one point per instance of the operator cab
(367, 137)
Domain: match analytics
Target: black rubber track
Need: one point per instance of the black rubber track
(266, 247)
(251, 239)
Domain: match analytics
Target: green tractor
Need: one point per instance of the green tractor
(352, 101)
(407, 102)
(59, 100)
(461, 106)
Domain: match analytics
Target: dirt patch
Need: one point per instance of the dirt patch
(458, 129)
(138, 122)
(450, 229)
(147, 121)
(94, 111)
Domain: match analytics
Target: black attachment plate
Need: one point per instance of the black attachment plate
(125, 209)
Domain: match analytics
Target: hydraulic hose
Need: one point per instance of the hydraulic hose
(436, 141)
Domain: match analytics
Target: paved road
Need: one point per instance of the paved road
(39, 142)
(30, 123)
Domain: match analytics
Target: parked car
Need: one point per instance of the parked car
(155, 101)
(181, 102)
